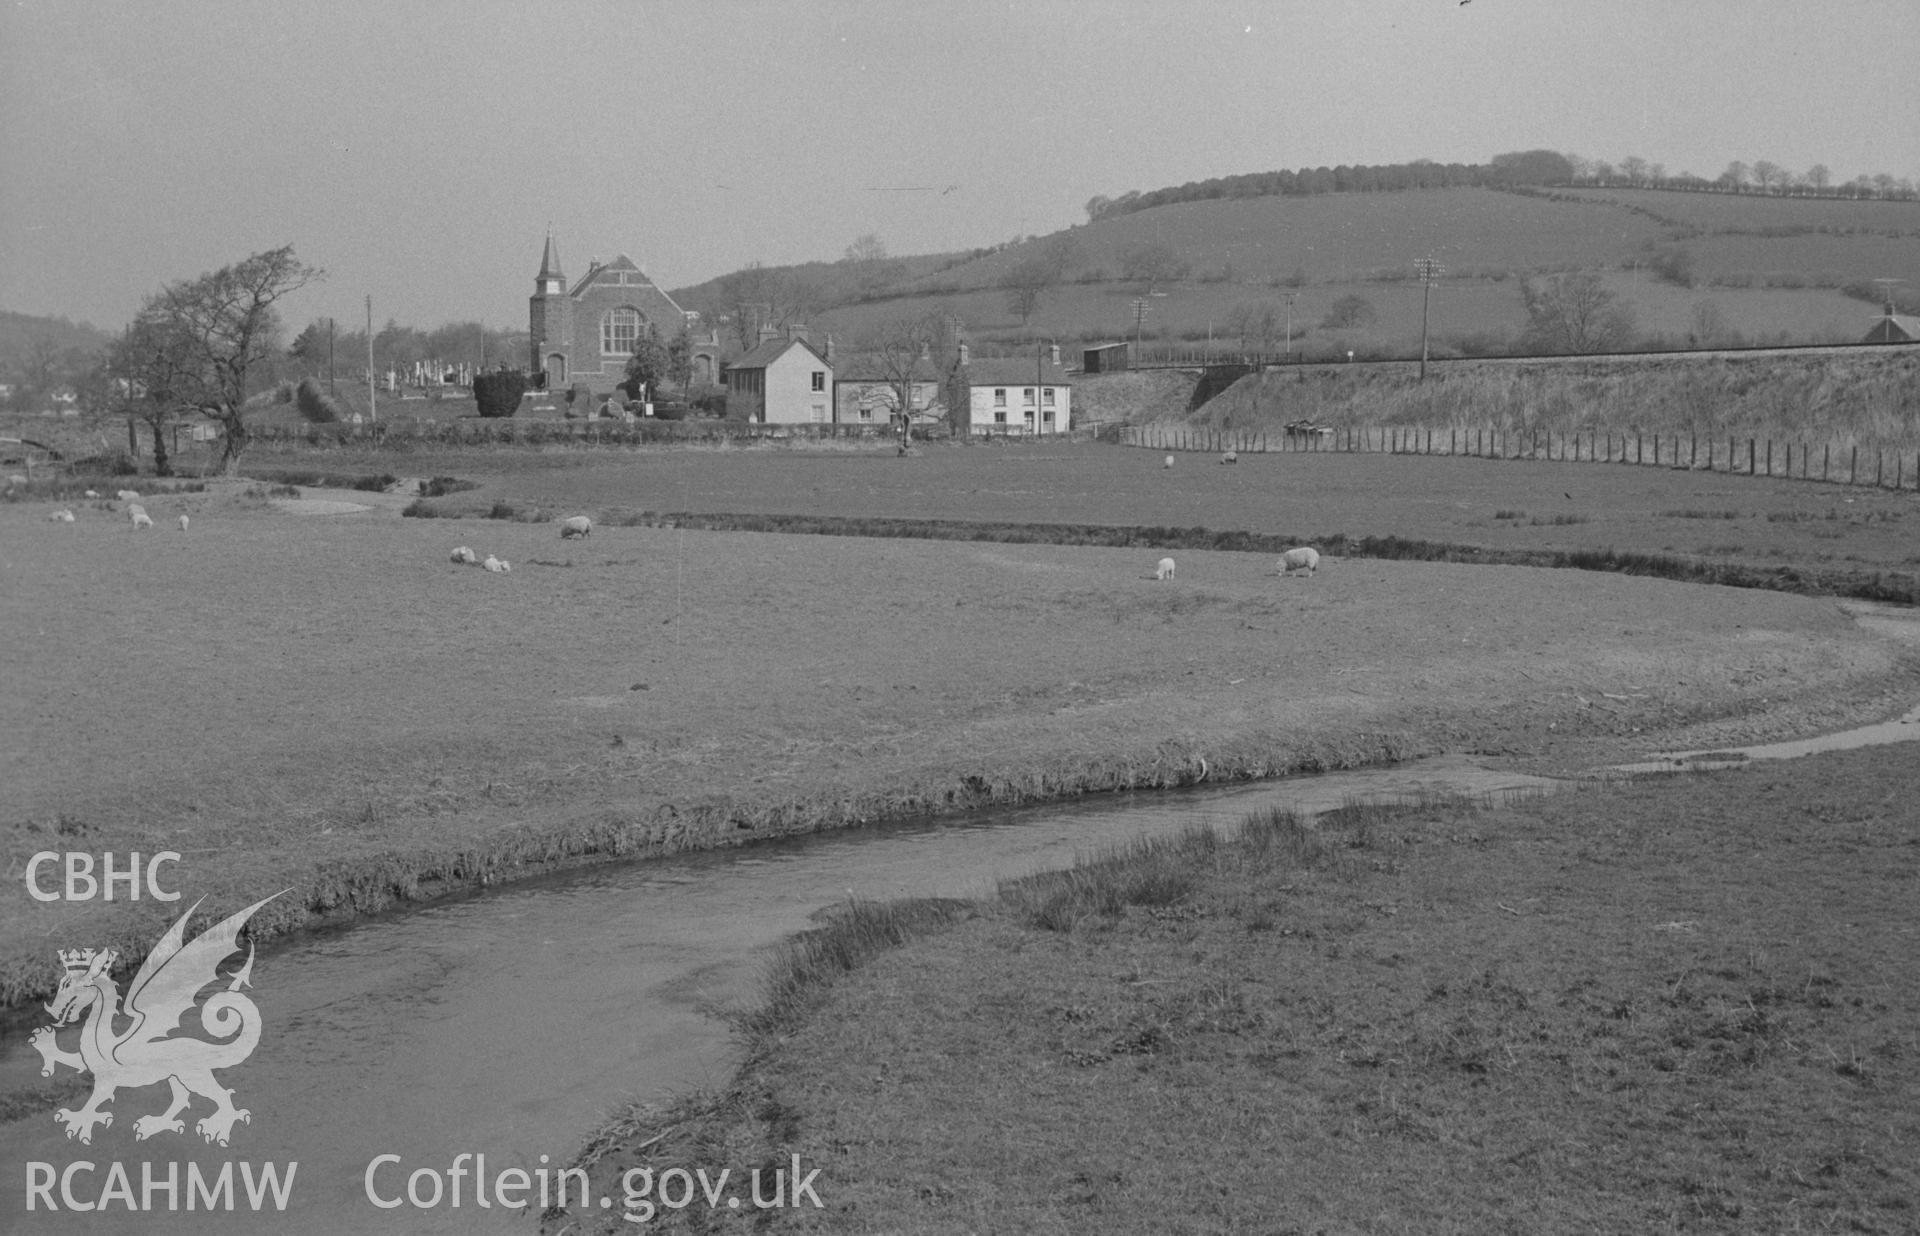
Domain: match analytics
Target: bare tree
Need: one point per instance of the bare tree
(211, 336)
(908, 351)
(1152, 265)
(1735, 176)
(1033, 276)
(1709, 324)
(155, 377)
(868, 247)
(1257, 323)
(1634, 168)
(1768, 175)
(755, 296)
(1574, 313)
(1819, 177)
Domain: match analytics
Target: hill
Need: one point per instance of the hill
(1734, 268)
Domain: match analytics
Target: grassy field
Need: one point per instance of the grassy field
(1684, 1006)
(1503, 505)
(326, 701)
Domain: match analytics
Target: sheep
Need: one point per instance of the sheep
(1230, 457)
(93, 493)
(498, 566)
(1169, 462)
(128, 495)
(1304, 558)
(575, 525)
(464, 556)
(1164, 570)
(183, 523)
(138, 514)
(61, 516)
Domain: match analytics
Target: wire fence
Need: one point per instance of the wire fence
(1804, 461)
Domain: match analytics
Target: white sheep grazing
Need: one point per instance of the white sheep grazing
(1164, 570)
(1169, 462)
(575, 525)
(138, 514)
(93, 493)
(499, 566)
(183, 523)
(128, 495)
(1301, 559)
(463, 555)
(1230, 457)
(61, 516)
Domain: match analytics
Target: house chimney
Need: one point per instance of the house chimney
(963, 352)
(1056, 354)
(769, 332)
(797, 332)
(827, 355)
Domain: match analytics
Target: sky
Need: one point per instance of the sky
(418, 151)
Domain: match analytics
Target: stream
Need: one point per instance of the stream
(511, 1023)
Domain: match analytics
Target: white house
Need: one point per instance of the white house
(783, 380)
(1019, 394)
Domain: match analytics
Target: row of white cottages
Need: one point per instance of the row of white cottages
(791, 382)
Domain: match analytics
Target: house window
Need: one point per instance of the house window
(820, 413)
(1000, 398)
(1049, 416)
(999, 418)
(1027, 394)
(619, 331)
(866, 412)
(819, 380)
(1046, 396)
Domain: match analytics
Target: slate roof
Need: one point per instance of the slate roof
(1015, 371)
(772, 350)
(872, 369)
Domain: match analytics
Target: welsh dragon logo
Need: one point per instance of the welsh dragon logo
(146, 1051)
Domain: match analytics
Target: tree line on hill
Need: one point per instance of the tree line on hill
(1517, 168)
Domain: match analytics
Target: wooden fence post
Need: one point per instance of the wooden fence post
(1769, 456)
(1825, 452)
(1879, 467)
(1751, 457)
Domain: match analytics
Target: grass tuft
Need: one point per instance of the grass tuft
(806, 964)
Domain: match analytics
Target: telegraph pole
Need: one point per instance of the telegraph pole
(1429, 270)
(371, 414)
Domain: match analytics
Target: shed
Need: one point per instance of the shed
(1105, 358)
(1894, 328)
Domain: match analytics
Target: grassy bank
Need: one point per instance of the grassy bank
(1682, 1005)
(1867, 399)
